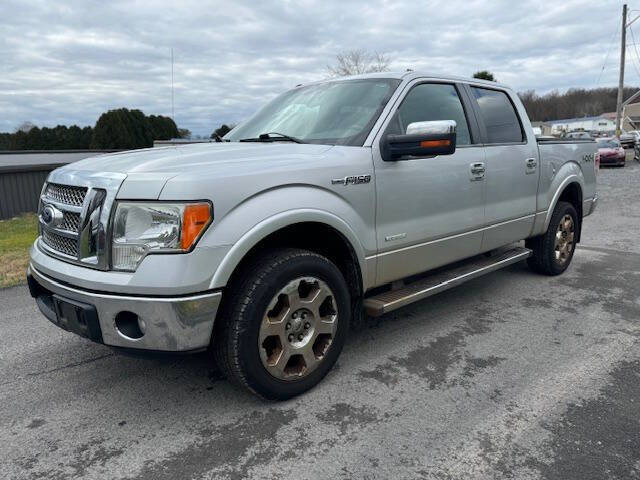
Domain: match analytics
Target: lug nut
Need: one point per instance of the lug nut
(304, 315)
(300, 337)
(287, 326)
(291, 337)
(307, 325)
(295, 315)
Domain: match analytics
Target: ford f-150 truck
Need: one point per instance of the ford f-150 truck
(340, 197)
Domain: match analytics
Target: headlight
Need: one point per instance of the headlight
(141, 228)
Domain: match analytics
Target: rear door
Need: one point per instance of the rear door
(512, 169)
(429, 210)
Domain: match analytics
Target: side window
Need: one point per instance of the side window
(432, 101)
(500, 118)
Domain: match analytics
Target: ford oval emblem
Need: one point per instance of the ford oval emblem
(51, 216)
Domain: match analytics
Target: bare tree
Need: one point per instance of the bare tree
(575, 102)
(356, 62)
(24, 127)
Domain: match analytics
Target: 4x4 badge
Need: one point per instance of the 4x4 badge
(351, 180)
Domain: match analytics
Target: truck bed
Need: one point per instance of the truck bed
(562, 140)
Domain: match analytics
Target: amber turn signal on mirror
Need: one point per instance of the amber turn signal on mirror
(435, 143)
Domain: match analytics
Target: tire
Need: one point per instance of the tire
(549, 257)
(270, 303)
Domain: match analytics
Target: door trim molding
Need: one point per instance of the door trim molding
(450, 237)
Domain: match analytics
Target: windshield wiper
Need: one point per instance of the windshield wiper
(217, 138)
(266, 137)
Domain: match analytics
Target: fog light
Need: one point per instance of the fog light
(129, 325)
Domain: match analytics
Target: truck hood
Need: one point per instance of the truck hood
(168, 162)
(146, 171)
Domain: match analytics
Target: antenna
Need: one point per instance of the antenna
(172, 111)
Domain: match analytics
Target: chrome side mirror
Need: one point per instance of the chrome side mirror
(432, 127)
(422, 139)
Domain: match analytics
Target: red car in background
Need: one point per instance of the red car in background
(611, 152)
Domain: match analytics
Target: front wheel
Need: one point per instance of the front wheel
(284, 325)
(553, 250)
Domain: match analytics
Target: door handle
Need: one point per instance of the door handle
(477, 171)
(531, 164)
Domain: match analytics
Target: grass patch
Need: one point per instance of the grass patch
(16, 236)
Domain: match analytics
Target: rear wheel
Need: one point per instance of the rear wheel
(284, 325)
(553, 251)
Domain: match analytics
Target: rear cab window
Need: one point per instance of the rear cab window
(498, 115)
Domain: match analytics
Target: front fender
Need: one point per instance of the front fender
(276, 222)
(241, 228)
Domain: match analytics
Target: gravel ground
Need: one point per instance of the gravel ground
(513, 375)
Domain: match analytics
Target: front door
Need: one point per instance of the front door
(429, 211)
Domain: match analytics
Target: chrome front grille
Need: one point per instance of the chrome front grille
(59, 243)
(66, 194)
(74, 214)
(71, 222)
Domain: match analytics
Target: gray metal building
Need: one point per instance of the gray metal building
(22, 174)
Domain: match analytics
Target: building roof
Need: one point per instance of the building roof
(181, 141)
(576, 120)
(30, 159)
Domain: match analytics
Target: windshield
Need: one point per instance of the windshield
(340, 112)
(608, 143)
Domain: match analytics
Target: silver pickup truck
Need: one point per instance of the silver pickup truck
(339, 197)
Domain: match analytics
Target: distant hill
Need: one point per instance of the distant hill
(575, 102)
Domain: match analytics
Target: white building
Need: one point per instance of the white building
(591, 124)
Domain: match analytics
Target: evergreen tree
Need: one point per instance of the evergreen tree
(122, 129)
(116, 129)
(5, 141)
(163, 128)
(221, 131)
(485, 75)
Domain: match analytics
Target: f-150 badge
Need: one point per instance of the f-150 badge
(351, 180)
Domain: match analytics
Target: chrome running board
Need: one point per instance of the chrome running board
(443, 280)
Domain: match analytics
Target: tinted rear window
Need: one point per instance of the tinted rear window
(500, 118)
(608, 144)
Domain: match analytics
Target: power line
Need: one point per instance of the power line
(635, 48)
(607, 56)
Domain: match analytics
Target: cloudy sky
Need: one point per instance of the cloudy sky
(65, 62)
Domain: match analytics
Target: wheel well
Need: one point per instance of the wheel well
(316, 237)
(573, 194)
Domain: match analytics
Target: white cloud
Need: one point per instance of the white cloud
(67, 62)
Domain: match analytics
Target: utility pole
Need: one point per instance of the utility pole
(621, 81)
(172, 112)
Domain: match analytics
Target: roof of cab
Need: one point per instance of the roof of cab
(411, 75)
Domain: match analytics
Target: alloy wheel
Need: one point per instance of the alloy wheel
(297, 328)
(565, 239)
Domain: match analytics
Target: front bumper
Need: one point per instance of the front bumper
(172, 324)
(613, 161)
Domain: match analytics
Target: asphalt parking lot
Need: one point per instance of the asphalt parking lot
(513, 375)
